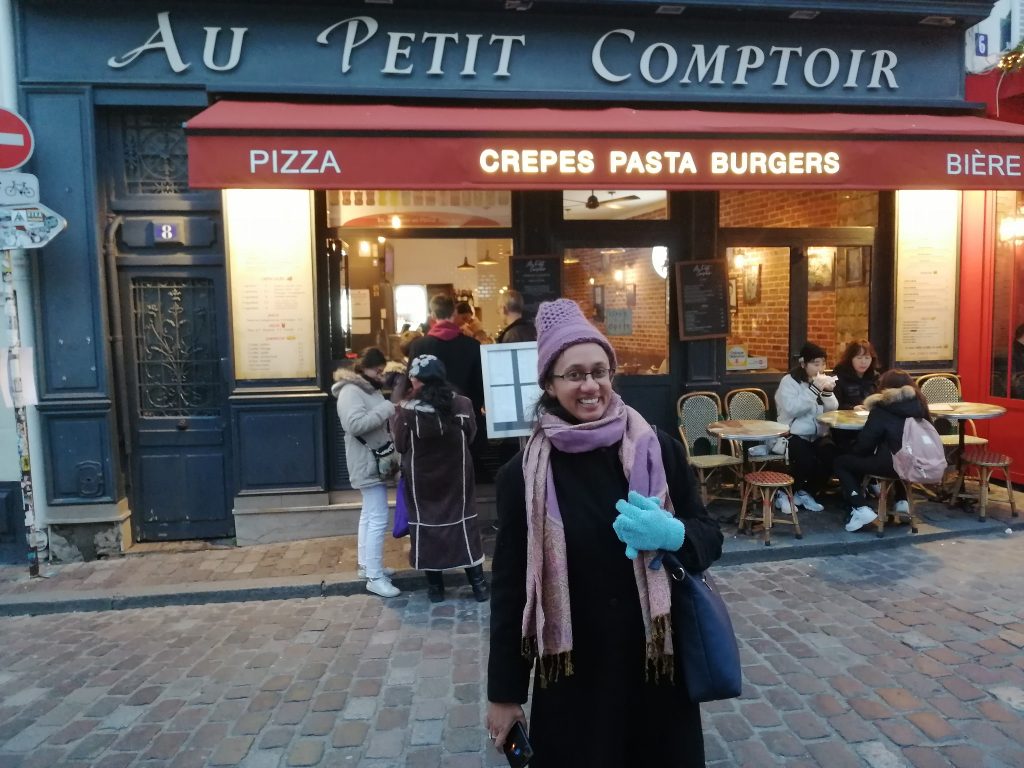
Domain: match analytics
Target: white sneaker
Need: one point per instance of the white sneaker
(361, 572)
(860, 517)
(382, 587)
(805, 500)
(901, 507)
(874, 489)
(782, 503)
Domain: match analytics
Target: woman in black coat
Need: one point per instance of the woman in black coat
(898, 400)
(857, 373)
(602, 693)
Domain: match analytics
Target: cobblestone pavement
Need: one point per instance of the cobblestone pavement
(907, 657)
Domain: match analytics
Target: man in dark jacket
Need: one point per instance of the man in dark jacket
(461, 357)
(517, 327)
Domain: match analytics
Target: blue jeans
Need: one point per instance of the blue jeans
(373, 524)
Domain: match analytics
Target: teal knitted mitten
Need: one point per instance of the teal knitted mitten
(643, 525)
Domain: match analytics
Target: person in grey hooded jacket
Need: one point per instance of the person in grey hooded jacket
(364, 414)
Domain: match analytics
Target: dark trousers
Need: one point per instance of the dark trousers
(851, 469)
(811, 463)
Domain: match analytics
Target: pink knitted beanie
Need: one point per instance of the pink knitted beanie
(560, 325)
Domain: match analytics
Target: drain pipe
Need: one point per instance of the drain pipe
(116, 340)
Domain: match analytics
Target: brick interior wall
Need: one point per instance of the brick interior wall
(835, 316)
(646, 348)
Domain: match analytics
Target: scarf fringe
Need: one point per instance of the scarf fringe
(549, 668)
(660, 666)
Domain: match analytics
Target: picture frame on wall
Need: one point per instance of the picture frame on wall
(855, 266)
(821, 272)
(752, 284)
(734, 290)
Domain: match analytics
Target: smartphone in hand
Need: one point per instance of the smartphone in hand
(517, 747)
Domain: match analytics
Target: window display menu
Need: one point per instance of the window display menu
(927, 247)
(270, 255)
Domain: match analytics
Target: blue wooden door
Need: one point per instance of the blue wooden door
(175, 322)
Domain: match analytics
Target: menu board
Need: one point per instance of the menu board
(538, 278)
(270, 258)
(927, 246)
(510, 388)
(703, 299)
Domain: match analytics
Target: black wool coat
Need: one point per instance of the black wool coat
(461, 358)
(604, 715)
(852, 389)
(889, 410)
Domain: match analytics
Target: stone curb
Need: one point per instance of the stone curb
(291, 588)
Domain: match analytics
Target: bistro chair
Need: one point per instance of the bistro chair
(945, 388)
(766, 484)
(985, 462)
(751, 403)
(885, 486)
(695, 411)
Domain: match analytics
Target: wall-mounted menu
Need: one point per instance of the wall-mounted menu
(702, 288)
(538, 278)
(927, 245)
(270, 258)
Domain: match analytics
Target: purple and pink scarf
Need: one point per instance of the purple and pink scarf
(547, 624)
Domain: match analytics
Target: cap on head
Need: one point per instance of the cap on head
(560, 325)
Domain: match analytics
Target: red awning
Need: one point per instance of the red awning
(332, 146)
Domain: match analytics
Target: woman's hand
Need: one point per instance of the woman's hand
(500, 719)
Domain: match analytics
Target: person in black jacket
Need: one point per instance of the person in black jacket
(573, 599)
(898, 399)
(517, 326)
(857, 371)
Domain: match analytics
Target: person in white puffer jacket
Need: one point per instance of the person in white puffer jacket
(364, 414)
(803, 394)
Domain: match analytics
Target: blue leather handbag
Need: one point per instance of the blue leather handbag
(707, 656)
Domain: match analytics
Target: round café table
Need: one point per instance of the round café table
(848, 420)
(746, 431)
(961, 412)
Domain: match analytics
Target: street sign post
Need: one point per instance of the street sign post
(29, 226)
(18, 188)
(16, 142)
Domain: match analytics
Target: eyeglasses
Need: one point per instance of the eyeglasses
(576, 376)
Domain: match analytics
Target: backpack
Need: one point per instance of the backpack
(921, 458)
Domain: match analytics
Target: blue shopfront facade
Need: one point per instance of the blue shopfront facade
(145, 424)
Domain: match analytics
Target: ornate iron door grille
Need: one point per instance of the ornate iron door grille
(154, 153)
(178, 362)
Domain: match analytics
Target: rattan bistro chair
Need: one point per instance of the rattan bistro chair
(750, 403)
(695, 411)
(985, 462)
(945, 388)
(886, 485)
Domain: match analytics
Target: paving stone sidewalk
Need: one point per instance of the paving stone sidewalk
(861, 661)
(197, 572)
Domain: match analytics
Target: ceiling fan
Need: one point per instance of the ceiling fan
(593, 201)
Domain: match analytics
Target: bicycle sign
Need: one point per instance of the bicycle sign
(28, 226)
(18, 188)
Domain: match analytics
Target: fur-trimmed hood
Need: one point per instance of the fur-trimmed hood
(345, 376)
(900, 400)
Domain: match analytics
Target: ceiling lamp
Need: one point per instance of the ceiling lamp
(486, 261)
(465, 264)
(592, 201)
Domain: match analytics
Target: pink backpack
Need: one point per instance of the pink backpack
(921, 458)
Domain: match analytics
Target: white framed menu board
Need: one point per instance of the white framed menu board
(269, 237)
(927, 261)
(511, 390)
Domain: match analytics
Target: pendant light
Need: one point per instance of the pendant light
(465, 264)
(486, 261)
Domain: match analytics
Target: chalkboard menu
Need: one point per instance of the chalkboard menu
(702, 287)
(538, 278)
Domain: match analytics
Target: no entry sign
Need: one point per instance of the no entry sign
(15, 140)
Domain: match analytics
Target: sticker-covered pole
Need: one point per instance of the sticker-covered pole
(20, 417)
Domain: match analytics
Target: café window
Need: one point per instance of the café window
(1008, 297)
(624, 292)
(391, 209)
(799, 266)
